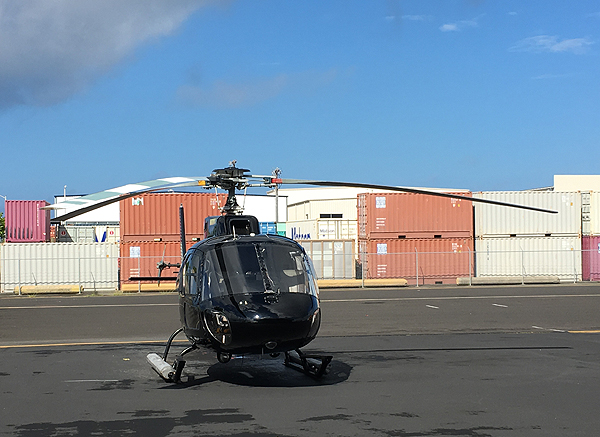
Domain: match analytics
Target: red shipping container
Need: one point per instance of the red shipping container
(156, 215)
(26, 222)
(590, 258)
(140, 258)
(409, 215)
(432, 261)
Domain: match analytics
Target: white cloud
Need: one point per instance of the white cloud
(417, 17)
(50, 50)
(552, 44)
(223, 94)
(460, 25)
(449, 27)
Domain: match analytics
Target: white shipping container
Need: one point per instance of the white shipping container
(93, 266)
(529, 256)
(492, 220)
(87, 234)
(322, 229)
(595, 214)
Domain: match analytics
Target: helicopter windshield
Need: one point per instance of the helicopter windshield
(251, 267)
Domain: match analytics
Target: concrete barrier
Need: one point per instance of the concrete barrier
(357, 283)
(508, 280)
(49, 289)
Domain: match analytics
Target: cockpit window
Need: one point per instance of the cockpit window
(240, 267)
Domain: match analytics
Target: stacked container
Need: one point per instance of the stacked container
(424, 239)
(150, 229)
(519, 243)
(26, 222)
(590, 240)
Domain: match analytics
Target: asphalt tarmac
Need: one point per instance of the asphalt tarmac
(438, 361)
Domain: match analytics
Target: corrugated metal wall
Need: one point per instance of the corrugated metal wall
(529, 256)
(26, 221)
(428, 261)
(594, 214)
(408, 215)
(492, 220)
(93, 265)
(590, 255)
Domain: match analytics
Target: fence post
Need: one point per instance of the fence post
(417, 264)
(140, 274)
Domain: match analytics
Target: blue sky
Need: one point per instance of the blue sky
(483, 95)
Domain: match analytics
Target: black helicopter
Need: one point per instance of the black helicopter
(241, 292)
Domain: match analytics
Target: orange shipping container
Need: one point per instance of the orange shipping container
(156, 215)
(140, 258)
(408, 215)
(431, 261)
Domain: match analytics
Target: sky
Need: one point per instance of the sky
(473, 94)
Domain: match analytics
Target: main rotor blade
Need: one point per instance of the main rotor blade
(411, 190)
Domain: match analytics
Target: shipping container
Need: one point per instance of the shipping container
(492, 220)
(156, 215)
(590, 254)
(93, 266)
(323, 209)
(26, 222)
(408, 215)
(529, 256)
(332, 259)
(594, 214)
(422, 261)
(268, 228)
(322, 229)
(141, 258)
(87, 234)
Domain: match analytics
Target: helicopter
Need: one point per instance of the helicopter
(242, 292)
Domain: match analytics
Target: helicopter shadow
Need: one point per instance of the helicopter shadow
(262, 372)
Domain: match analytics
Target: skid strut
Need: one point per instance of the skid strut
(167, 371)
(313, 365)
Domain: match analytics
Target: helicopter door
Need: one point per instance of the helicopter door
(190, 311)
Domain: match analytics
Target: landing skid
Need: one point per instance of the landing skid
(313, 365)
(168, 372)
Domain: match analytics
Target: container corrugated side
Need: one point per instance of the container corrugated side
(595, 213)
(492, 220)
(430, 261)
(332, 259)
(156, 215)
(26, 221)
(590, 254)
(140, 258)
(529, 256)
(408, 215)
(87, 234)
(93, 265)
